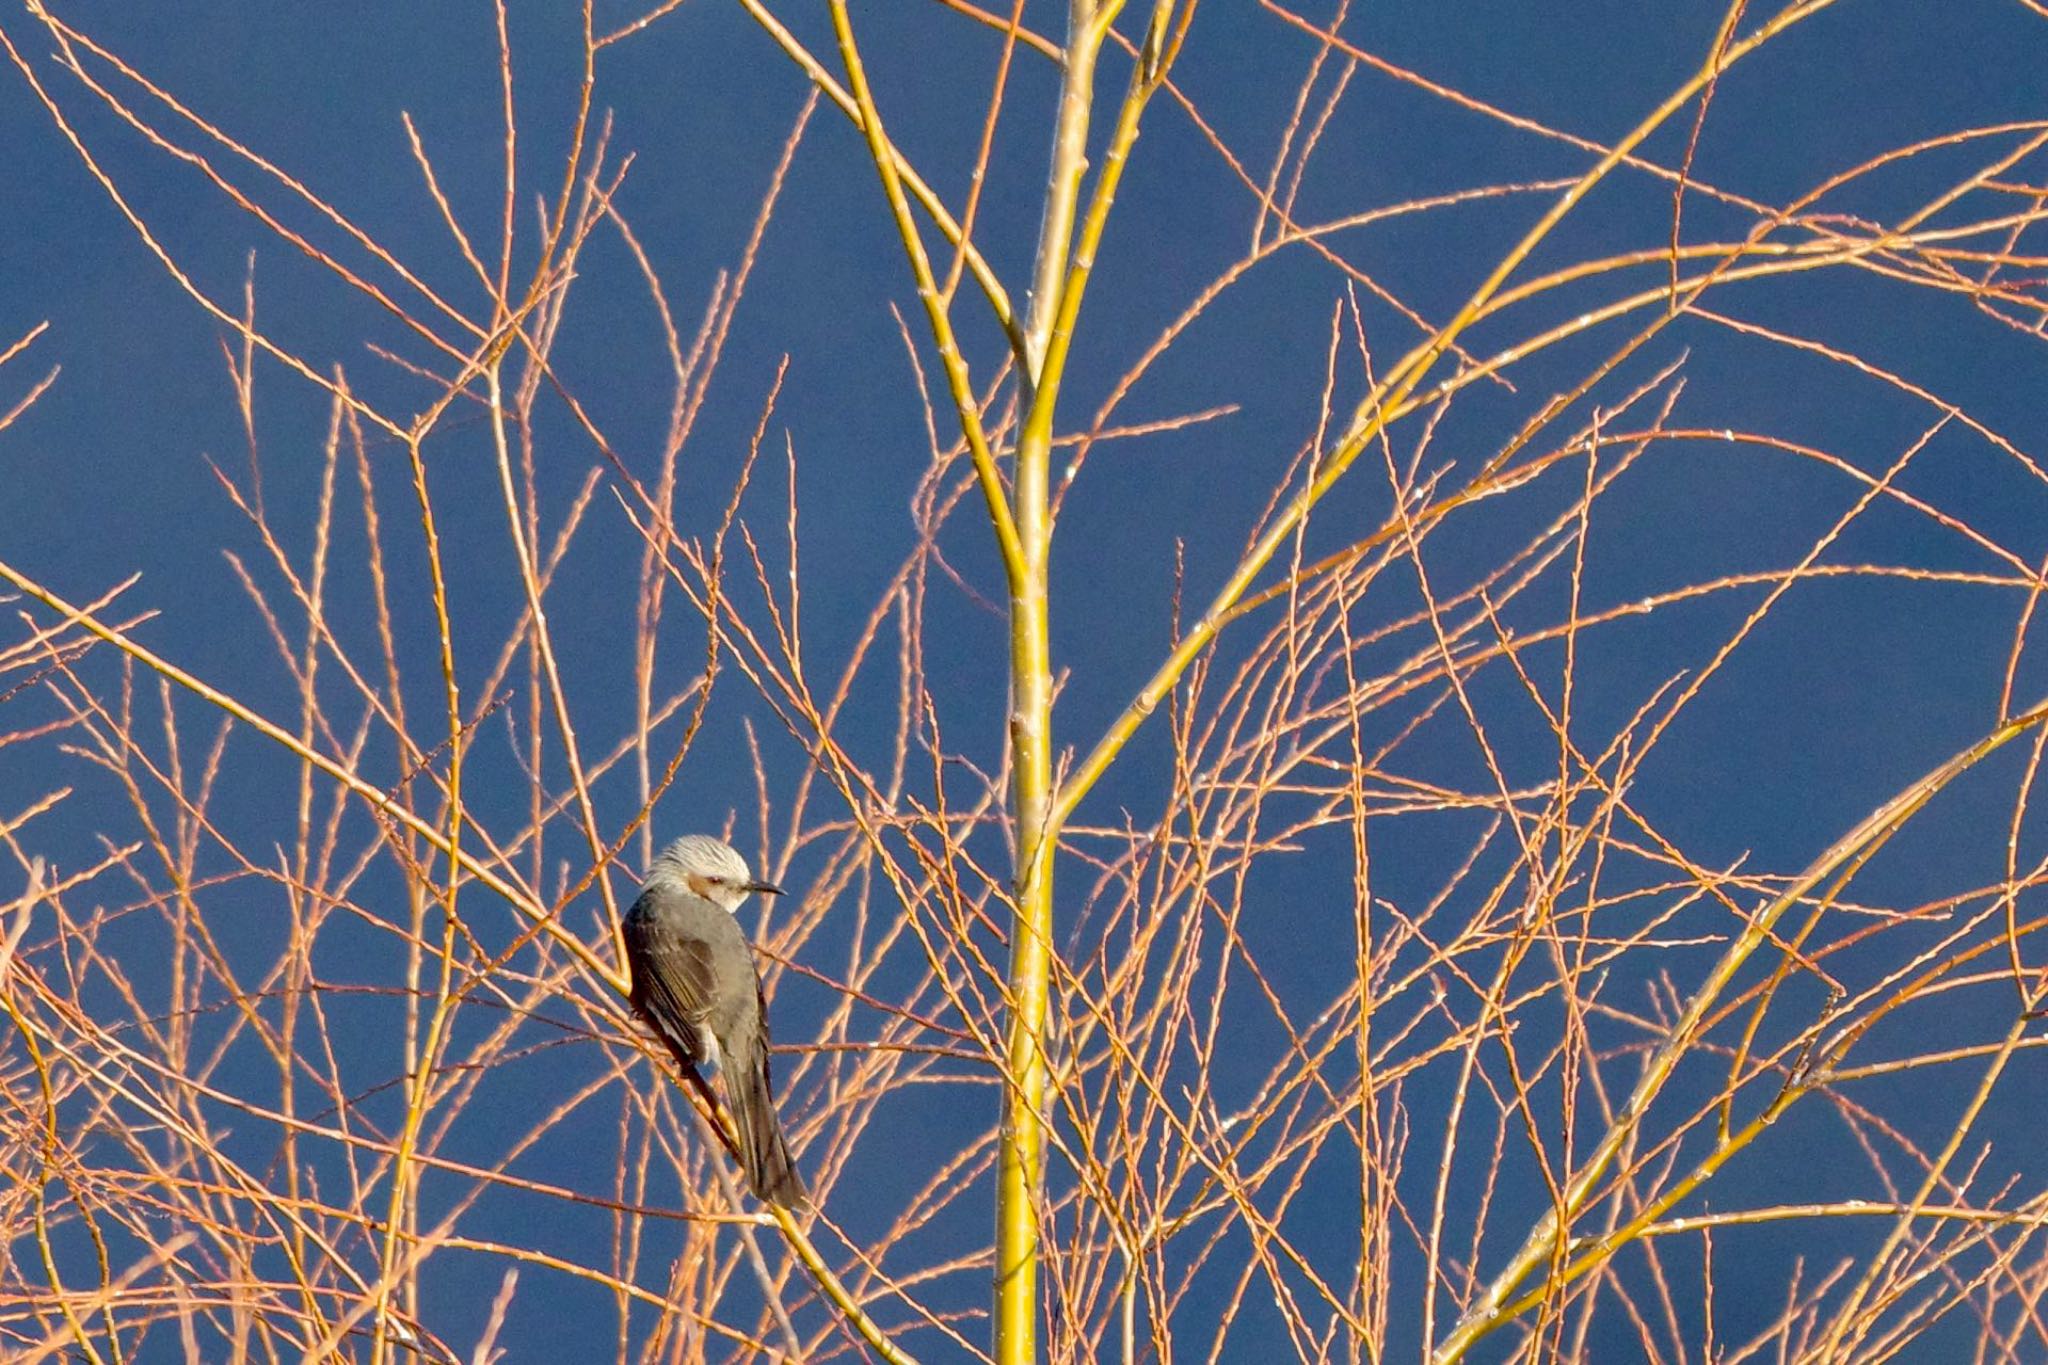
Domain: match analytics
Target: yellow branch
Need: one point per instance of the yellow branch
(1377, 409)
(1494, 1305)
(927, 198)
(957, 380)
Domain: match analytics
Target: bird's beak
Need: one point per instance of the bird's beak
(765, 888)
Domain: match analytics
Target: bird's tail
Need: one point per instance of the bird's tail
(763, 1152)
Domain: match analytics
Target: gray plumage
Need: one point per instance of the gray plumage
(694, 981)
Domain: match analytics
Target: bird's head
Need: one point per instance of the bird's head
(709, 867)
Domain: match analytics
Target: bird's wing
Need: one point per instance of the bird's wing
(674, 982)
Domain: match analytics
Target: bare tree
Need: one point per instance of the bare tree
(321, 1052)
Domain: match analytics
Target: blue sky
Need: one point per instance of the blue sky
(1851, 689)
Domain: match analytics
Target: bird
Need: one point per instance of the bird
(695, 983)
